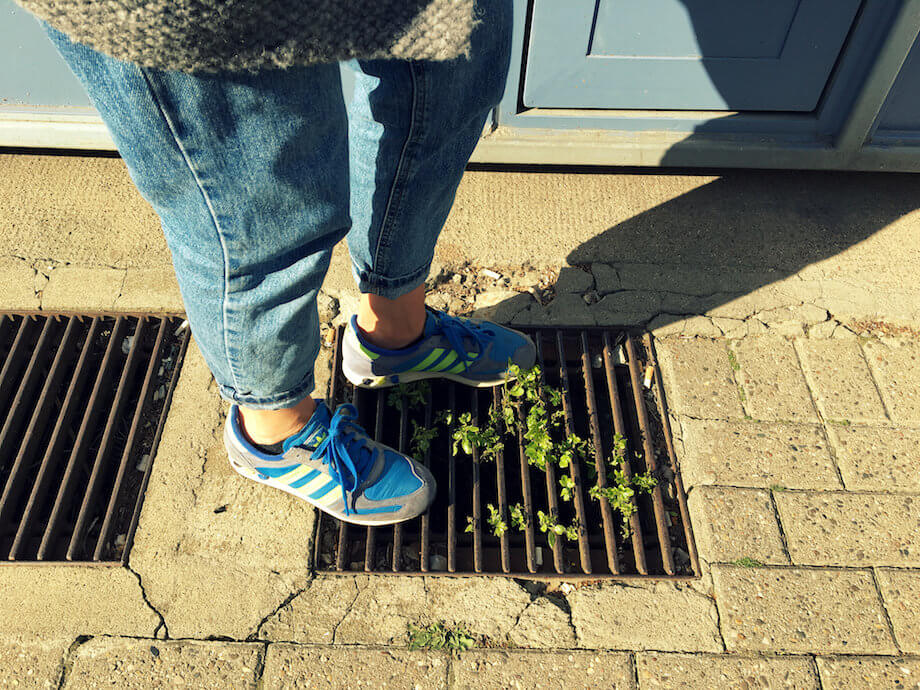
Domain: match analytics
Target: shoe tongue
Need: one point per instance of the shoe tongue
(432, 325)
(314, 432)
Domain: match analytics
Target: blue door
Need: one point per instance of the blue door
(684, 54)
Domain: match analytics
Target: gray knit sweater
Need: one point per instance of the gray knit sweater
(235, 35)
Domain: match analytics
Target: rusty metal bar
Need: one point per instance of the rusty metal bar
(18, 351)
(10, 434)
(575, 465)
(403, 444)
(501, 491)
(333, 396)
(619, 427)
(477, 489)
(51, 456)
(40, 417)
(613, 560)
(672, 456)
(530, 553)
(535, 577)
(173, 379)
(425, 535)
(115, 413)
(80, 445)
(661, 521)
(104, 532)
(552, 498)
(370, 539)
(451, 488)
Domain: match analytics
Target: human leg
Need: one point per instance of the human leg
(249, 175)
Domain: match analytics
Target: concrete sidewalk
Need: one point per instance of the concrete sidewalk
(786, 309)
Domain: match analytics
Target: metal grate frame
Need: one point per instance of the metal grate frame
(83, 400)
(610, 383)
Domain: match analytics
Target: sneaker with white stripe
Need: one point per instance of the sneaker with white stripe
(333, 465)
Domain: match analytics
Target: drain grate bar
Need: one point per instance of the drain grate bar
(619, 426)
(469, 529)
(574, 467)
(501, 492)
(672, 456)
(552, 499)
(83, 397)
(658, 506)
(610, 545)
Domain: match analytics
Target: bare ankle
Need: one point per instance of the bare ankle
(392, 324)
(266, 427)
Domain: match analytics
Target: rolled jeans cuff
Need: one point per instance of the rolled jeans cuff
(278, 401)
(384, 286)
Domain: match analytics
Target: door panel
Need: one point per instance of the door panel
(684, 54)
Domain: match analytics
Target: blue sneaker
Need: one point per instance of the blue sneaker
(471, 351)
(333, 465)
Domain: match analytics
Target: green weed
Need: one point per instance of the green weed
(747, 562)
(438, 636)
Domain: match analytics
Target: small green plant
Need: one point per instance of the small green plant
(747, 562)
(469, 436)
(566, 487)
(777, 487)
(470, 523)
(519, 519)
(438, 636)
(620, 492)
(733, 360)
(416, 395)
(421, 439)
(499, 526)
(550, 526)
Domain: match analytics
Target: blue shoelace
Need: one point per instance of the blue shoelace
(456, 329)
(345, 451)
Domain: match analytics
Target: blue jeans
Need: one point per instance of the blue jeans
(255, 177)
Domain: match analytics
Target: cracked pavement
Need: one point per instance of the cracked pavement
(786, 313)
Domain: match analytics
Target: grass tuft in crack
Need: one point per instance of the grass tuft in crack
(747, 562)
(438, 636)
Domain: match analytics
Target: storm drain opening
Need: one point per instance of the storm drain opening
(586, 487)
(83, 399)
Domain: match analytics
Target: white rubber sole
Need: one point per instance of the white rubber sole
(254, 476)
(410, 376)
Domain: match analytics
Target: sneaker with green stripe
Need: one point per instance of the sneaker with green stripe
(474, 352)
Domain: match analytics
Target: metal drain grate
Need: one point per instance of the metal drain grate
(610, 384)
(83, 399)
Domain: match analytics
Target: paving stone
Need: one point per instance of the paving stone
(698, 378)
(543, 624)
(566, 309)
(773, 383)
(150, 290)
(735, 523)
(869, 672)
(756, 454)
(342, 607)
(58, 601)
(739, 328)
(877, 458)
(32, 662)
(208, 563)
(838, 528)
(17, 285)
(573, 279)
(800, 611)
(605, 278)
(897, 370)
(294, 666)
(839, 375)
(901, 592)
(692, 671)
(75, 287)
(502, 305)
(613, 616)
(627, 301)
(695, 326)
(494, 670)
(105, 662)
